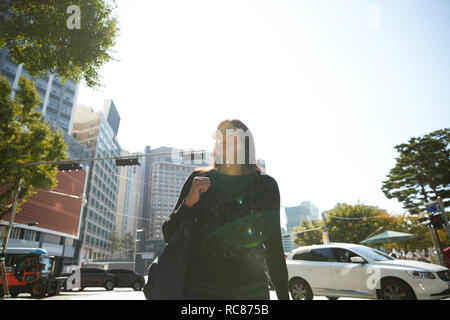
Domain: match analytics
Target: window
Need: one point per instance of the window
(314, 255)
(30, 265)
(342, 255)
(372, 254)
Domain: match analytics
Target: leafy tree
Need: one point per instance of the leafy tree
(128, 245)
(116, 244)
(37, 34)
(354, 223)
(342, 228)
(25, 138)
(310, 237)
(422, 172)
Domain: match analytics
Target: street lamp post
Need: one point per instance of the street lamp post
(325, 236)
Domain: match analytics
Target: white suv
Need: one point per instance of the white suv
(349, 270)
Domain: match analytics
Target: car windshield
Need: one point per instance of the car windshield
(372, 254)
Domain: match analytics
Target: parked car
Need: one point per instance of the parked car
(348, 270)
(93, 277)
(128, 279)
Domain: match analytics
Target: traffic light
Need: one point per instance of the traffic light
(123, 162)
(437, 221)
(69, 166)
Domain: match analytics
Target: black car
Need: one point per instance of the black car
(128, 279)
(93, 277)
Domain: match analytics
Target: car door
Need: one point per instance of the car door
(31, 268)
(314, 266)
(98, 277)
(84, 274)
(129, 278)
(350, 279)
(120, 277)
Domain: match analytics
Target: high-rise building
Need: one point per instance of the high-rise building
(58, 99)
(129, 198)
(59, 215)
(57, 212)
(295, 215)
(164, 177)
(94, 131)
(287, 240)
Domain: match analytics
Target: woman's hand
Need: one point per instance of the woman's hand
(199, 185)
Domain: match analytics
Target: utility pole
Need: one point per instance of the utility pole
(437, 244)
(432, 208)
(6, 239)
(325, 237)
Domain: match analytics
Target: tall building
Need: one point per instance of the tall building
(58, 212)
(94, 131)
(58, 99)
(287, 240)
(295, 215)
(129, 198)
(164, 178)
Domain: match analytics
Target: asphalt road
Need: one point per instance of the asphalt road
(116, 294)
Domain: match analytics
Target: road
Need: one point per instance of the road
(116, 294)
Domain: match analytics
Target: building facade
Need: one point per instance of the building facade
(58, 212)
(164, 177)
(58, 99)
(295, 215)
(94, 131)
(129, 198)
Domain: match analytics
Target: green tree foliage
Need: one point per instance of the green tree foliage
(37, 35)
(116, 243)
(303, 238)
(25, 138)
(128, 245)
(354, 223)
(422, 172)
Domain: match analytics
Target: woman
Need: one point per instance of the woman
(237, 235)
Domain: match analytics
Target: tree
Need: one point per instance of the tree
(310, 237)
(43, 36)
(422, 172)
(116, 244)
(128, 245)
(354, 223)
(25, 138)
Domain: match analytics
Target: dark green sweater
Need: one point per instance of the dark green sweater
(237, 231)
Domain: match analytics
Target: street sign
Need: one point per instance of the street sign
(431, 208)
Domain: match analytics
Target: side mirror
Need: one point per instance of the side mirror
(357, 260)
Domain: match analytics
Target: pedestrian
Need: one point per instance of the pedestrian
(237, 234)
(409, 256)
(393, 253)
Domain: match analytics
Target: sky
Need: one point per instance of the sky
(328, 88)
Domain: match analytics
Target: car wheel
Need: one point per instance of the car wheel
(300, 290)
(393, 289)
(109, 285)
(38, 290)
(137, 286)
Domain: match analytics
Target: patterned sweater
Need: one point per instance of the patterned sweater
(237, 235)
